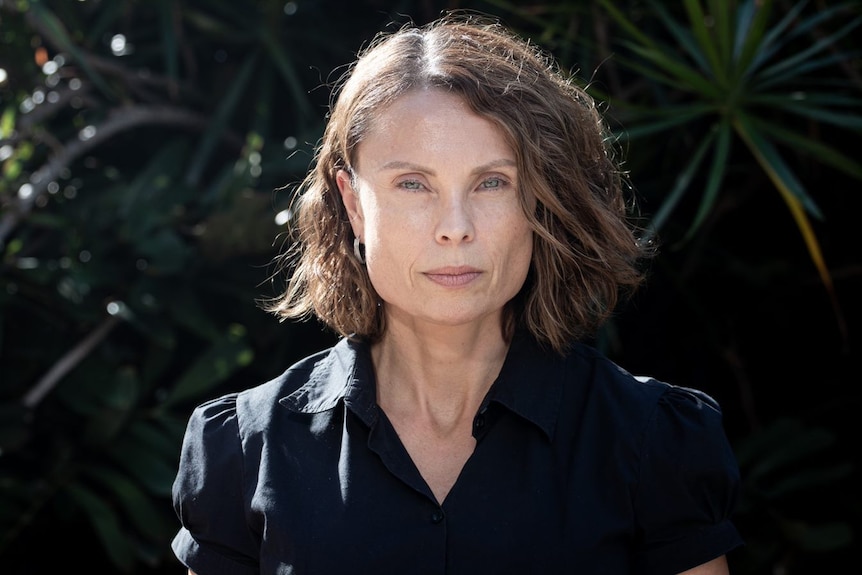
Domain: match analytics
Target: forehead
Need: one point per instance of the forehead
(434, 124)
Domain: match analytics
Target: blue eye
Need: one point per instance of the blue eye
(411, 185)
(492, 184)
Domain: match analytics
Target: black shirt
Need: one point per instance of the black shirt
(579, 467)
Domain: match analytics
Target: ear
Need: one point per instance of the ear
(350, 199)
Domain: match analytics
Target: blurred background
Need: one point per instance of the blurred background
(149, 152)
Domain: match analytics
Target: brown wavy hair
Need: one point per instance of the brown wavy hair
(586, 253)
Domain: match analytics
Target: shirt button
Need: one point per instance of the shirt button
(437, 516)
(479, 422)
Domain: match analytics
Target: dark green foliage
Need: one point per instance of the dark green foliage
(140, 184)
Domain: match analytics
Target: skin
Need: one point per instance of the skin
(436, 204)
(447, 245)
(435, 200)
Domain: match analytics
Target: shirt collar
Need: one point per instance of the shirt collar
(530, 383)
(344, 373)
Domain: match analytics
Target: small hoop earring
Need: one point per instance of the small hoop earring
(357, 251)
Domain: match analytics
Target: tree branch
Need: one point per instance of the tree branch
(118, 120)
(66, 363)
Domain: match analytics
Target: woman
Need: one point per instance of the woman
(463, 228)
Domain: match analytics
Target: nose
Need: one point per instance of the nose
(455, 221)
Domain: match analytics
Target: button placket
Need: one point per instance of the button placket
(437, 516)
(479, 422)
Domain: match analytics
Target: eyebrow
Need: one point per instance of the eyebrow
(399, 165)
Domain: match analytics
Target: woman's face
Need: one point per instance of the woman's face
(435, 201)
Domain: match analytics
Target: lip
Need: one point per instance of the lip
(453, 276)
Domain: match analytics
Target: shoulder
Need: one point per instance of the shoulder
(286, 383)
(591, 372)
(252, 410)
(668, 425)
(603, 391)
(584, 361)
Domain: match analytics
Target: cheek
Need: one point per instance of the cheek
(524, 256)
(389, 244)
(389, 227)
(520, 249)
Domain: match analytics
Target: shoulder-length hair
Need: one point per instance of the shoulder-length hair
(586, 252)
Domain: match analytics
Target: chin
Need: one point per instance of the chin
(467, 318)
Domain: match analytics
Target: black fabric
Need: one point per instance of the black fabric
(579, 467)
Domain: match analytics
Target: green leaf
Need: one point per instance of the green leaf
(806, 99)
(769, 158)
(7, 122)
(212, 26)
(750, 42)
(721, 151)
(220, 120)
(681, 185)
(167, 11)
(107, 525)
(166, 252)
(288, 71)
(826, 537)
(156, 328)
(215, 365)
(716, 65)
(139, 508)
(64, 42)
(793, 62)
(666, 118)
(818, 150)
(760, 52)
(262, 123)
(117, 402)
(155, 363)
(721, 13)
(784, 444)
(147, 201)
(171, 425)
(802, 29)
(155, 438)
(186, 311)
(809, 478)
(106, 21)
(803, 70)
(684, 77)
(652, 72)
(154, 471)
(16, 422)
(627, 25)
(849, 121)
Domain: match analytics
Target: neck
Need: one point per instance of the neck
(438, 375)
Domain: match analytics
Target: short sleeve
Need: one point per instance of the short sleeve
(688, 485)
(208, 495)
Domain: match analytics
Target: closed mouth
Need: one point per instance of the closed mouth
(453, 276)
